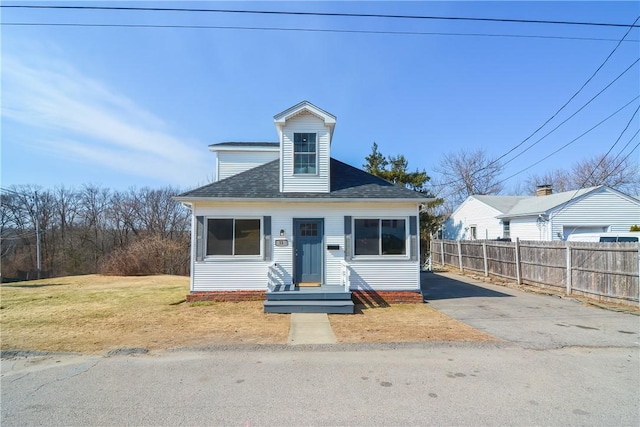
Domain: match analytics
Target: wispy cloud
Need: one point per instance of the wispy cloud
(87, 121)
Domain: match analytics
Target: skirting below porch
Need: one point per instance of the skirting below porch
(226, 296)
(372, 299)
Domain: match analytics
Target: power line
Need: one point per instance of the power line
(570, 142)
(316, 30)
(493, 162)
(612, 147)
(567, 119)
(332, 14)
(625, 147)
(566, 204)
(576, 93)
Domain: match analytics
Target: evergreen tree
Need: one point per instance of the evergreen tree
(395, 169)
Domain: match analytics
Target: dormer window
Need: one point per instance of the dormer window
(304, 153)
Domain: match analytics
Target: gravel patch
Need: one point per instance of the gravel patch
(22, 354)
(126, 351)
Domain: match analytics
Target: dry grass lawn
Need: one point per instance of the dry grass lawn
(96, 313)
(402, 323)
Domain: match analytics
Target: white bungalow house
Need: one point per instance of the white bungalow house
(545, 217)
(286, 220)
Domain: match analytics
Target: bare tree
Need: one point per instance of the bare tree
(560, 180)
(622, 174)
(466, 173)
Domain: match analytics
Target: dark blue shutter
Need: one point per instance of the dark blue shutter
(200, 238)
(347, 239)
(413, 238)
(266, 226)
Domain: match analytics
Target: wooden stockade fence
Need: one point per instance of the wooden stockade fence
(604, 271)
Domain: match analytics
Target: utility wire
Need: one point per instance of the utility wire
(570, 142)
(612, 147)
(568, 118)
(624, 148)
(333, 14)
(582, 186)
(558, 111)
(316, 30)
(576, 93)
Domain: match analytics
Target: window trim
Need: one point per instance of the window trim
(407, 237)
(209, 257)
(293, 157)
(506, 229)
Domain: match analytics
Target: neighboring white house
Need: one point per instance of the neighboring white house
(301, 218)
(545, 216)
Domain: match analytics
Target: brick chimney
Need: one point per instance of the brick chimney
(544, 190)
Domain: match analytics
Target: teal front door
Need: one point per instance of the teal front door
(308, 237)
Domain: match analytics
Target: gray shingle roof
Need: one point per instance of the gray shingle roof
(500, 203)
(262, 182)
(535, 205)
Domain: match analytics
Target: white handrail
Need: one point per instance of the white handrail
(271, 285)
(345, 275)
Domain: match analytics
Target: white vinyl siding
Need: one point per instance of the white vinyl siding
(231, 163)
(303, 183)
(473, 212)
(602, 208)
(529, 228)
(385, 273)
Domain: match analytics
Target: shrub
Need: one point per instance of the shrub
(149, 255)
(635, 227)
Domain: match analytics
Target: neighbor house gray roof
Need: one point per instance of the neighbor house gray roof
(263, 182)
(535, 205)
(501, 203)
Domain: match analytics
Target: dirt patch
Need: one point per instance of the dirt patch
(93, 314)
(402, 323)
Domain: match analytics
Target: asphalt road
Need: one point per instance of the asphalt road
(540, 374)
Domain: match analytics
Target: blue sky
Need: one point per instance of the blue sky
(124, 107)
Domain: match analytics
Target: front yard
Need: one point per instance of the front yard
(97, 313)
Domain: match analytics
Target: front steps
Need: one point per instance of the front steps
(323, 299)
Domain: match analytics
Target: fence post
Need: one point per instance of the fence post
(484, 256)
(442, 251)
(518, 273)
(568, 268)
(460, 255)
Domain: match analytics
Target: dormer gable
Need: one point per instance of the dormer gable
(305, 133)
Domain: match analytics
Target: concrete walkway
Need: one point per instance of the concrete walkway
(310, 328)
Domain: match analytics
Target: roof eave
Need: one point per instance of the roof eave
(522, 215)
(192, 199)
(215, 148)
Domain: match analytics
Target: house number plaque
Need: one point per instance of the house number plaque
(282, 242)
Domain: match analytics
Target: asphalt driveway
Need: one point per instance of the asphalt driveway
(527, 319)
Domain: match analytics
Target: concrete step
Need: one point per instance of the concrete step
(309, 306)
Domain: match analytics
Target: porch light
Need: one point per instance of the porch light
(281, 233)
